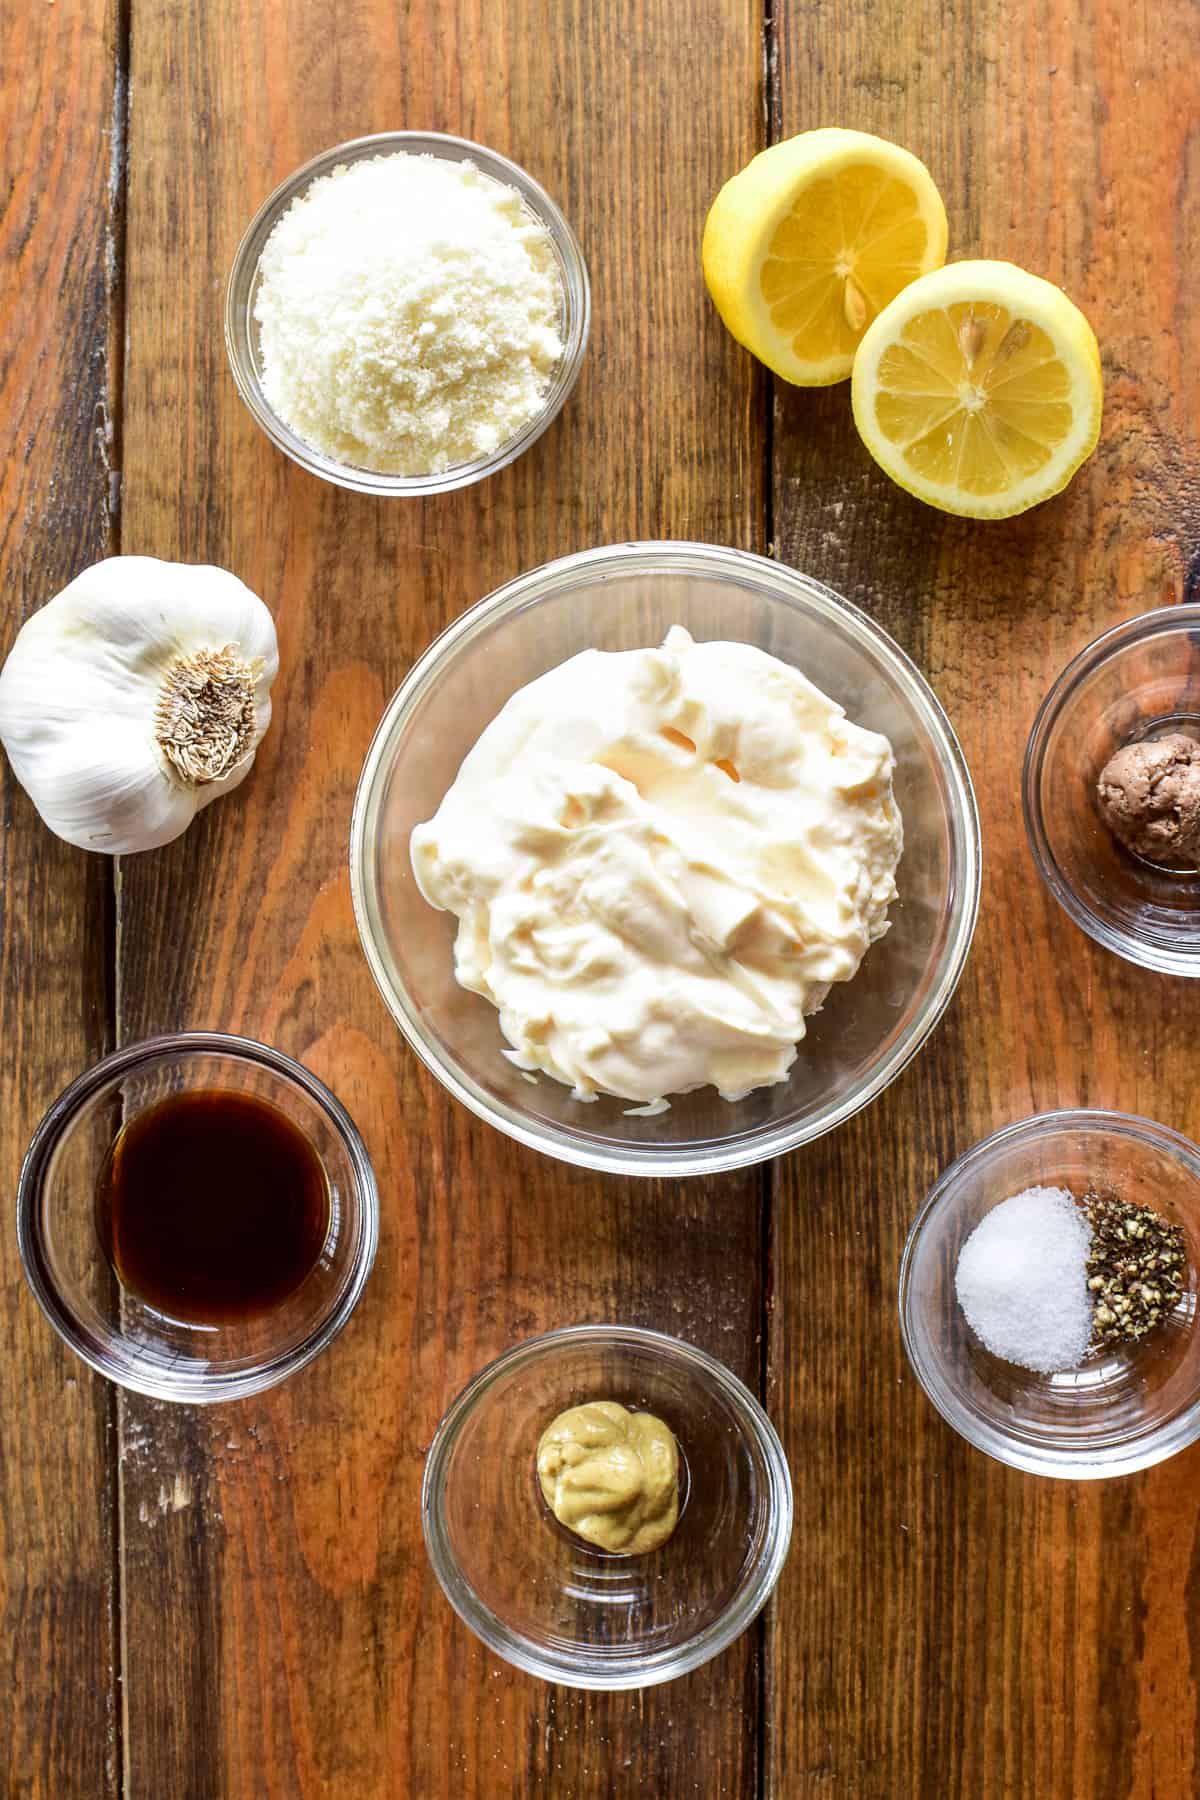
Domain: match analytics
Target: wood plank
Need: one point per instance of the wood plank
(285, 1634)
(59, 369)
(946, 1626)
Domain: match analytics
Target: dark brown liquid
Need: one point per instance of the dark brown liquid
(212, 1207)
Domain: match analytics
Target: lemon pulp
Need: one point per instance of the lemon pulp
(845, 249)
(974, 397)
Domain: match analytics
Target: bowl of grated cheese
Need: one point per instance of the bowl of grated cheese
(407, 313)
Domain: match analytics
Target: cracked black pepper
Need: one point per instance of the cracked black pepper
(1136, 1267)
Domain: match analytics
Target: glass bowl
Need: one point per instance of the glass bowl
(1140, 680)
(550, 1603)
(108, 1325)
(624, 597)
(1122, 1409)
(242, 333)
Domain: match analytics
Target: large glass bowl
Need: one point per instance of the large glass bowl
(1125, 1407)
(558, 1607)
(625, 597)
(242, 338)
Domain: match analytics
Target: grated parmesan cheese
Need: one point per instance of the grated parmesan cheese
(408, 313)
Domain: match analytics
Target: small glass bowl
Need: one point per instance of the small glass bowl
(109, 1326)
(1139, 681)
(550, 1603)
(242, 332)
(1122, 1409)
(624, 597)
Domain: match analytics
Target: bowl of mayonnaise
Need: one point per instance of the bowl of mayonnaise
(665, 859)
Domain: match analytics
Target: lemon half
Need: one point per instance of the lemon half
(812, 240)
(979, 389)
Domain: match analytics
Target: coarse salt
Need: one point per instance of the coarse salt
(408, 311)
(1022, 1280)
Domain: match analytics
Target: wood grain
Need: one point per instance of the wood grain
(59, 314)
(945, 1625)
(285, 1636)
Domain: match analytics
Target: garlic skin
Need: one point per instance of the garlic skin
(136, 697)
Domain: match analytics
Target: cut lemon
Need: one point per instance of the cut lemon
(979, 389)
(811, 241)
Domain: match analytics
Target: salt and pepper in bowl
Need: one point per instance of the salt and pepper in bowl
(1048, 1294)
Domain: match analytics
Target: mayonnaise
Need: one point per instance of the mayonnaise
(660, 861)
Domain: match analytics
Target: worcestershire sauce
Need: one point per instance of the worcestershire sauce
(212, 1207)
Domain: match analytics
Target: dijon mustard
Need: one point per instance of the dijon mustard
(611, 1476)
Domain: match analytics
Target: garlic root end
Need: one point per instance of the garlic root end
(204, 717)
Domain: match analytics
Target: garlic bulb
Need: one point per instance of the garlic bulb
(136, 697)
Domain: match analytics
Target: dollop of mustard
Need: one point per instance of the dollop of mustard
(611, 1476)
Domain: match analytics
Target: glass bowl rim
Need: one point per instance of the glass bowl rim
(788, 587)
(634, 1671)
(1141, 952)
(99, 1353)
(577, 302)
(1161, 1441)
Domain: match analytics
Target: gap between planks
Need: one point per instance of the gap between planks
(770, 113)
(118, 188)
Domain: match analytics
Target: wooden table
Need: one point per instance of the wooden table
(236, 1602)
